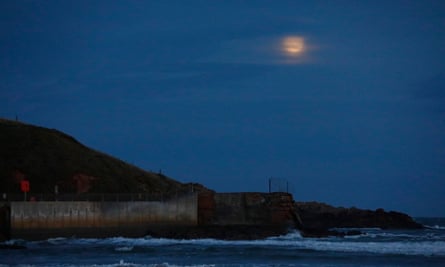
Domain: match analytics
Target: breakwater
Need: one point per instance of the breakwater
(249, 208)
(191, 215)
(43, 219)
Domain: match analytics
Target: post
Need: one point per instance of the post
(56, 191)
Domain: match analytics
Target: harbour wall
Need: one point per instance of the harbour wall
(189, 213)
(43, 219)
(249, 208)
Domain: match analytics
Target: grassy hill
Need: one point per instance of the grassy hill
(48, 157)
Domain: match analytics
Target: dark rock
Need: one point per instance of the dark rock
(322, 216)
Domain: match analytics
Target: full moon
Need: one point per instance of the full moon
(293, 46)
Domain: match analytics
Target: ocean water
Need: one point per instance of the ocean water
(375, 247)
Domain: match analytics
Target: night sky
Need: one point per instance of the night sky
(345, 100)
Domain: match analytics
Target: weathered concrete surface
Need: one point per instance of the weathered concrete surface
(85, 218)
(206, 215)
(237, 216)
(249, 208)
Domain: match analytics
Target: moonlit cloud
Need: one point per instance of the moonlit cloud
(293, 46)
(266, 50)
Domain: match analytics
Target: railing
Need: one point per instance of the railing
(110, 197)
(280, 185)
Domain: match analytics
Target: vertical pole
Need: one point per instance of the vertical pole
(56, 191)
(270, 181)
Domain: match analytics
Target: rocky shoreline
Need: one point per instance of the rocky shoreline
(319, 219)
(323, 216)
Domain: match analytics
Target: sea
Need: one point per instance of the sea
(374, 247)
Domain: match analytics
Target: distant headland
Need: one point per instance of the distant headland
(51, 184)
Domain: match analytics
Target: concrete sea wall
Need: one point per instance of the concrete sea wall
(84, 218)
(244, 215)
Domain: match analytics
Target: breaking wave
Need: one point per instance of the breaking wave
(435, 227)
(379, 242)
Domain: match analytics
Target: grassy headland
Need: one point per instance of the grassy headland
(47, 157)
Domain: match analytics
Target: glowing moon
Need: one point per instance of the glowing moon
(293, 46)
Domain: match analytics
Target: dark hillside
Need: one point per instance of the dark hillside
(48, 157)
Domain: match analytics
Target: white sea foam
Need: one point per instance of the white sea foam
(345, 229)
(390, 235)
(123, 263)
(124, 248)
(294, 240)
(426, 248)
(435, 227)
(400, 243)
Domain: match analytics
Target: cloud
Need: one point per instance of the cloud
(264, 50)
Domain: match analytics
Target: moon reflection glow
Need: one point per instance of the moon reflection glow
(293, 46)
